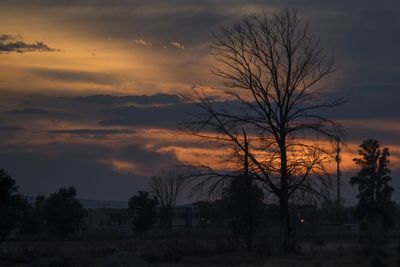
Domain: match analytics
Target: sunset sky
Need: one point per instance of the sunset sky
(88, 89)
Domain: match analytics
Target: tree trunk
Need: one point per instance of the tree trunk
(169, 216)
(249, 239)
(287, 240)
(250, 220)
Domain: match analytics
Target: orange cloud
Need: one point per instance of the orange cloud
(177, 45)
(125, 166)
(142, 42)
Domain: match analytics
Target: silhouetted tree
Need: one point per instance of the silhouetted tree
(375, 205)
(31, 219)
(270, 66)
(144, 211)
(245, 203)
(213, 213)
(40, 213)
(24, 212)
(8, 215)
(63, 212)
(375, 209)
(166, 186)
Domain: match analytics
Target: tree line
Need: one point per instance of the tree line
(242, 200)
(60, 214)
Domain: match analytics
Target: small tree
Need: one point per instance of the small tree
(63, 212)
(375, 209)
(24, 213)
(245, 203)
(40, 214)
(374, 198)
(144, 211)
(8, 215)
(166, 186)
(30, 218)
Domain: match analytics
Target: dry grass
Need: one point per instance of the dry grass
(174, 252)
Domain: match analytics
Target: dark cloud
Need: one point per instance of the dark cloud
(22, 47)
(164, 116)
(12, 43)
(366, 102)
(76, 76)
(6, 128)
(92, 131)
(26, 111)
(9, 37)
(137, 99)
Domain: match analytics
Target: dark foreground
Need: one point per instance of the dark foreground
(176, 251)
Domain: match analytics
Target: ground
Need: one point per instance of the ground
(179, 251)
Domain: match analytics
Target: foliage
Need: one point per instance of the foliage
(245, 205)
(63, 212)
(375, 209)
(374, 198)
(31, 219)
(15, 211)
(144, 211)
(8, 188)
(8, 214)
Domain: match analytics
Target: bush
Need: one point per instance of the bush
(378, 262)
(63, 212)
(340, 250)
(226, 245)
(262, 247)
(318, 241)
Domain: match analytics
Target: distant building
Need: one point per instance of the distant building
(108, 219)
(100, 219)
(183, 216)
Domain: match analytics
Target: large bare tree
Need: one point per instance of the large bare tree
(271, 66)
(166, 186)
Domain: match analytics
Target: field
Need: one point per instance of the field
(180, 251)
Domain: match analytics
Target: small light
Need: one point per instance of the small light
(302, 220)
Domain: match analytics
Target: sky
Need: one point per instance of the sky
(88, 89)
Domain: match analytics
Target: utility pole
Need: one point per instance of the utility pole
(337, 159)
(248, 182)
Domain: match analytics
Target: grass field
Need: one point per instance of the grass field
(174, 252)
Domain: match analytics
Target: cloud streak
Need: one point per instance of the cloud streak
(12, 43)
(177, 45)
(142, 42)
(92, 131)
(27, 111)
(9, 37)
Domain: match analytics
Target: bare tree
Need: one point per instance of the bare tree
(166, 186)
(270, 65)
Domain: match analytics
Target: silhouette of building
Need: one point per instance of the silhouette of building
(118, 219)
(108, 219)
(183, 216)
